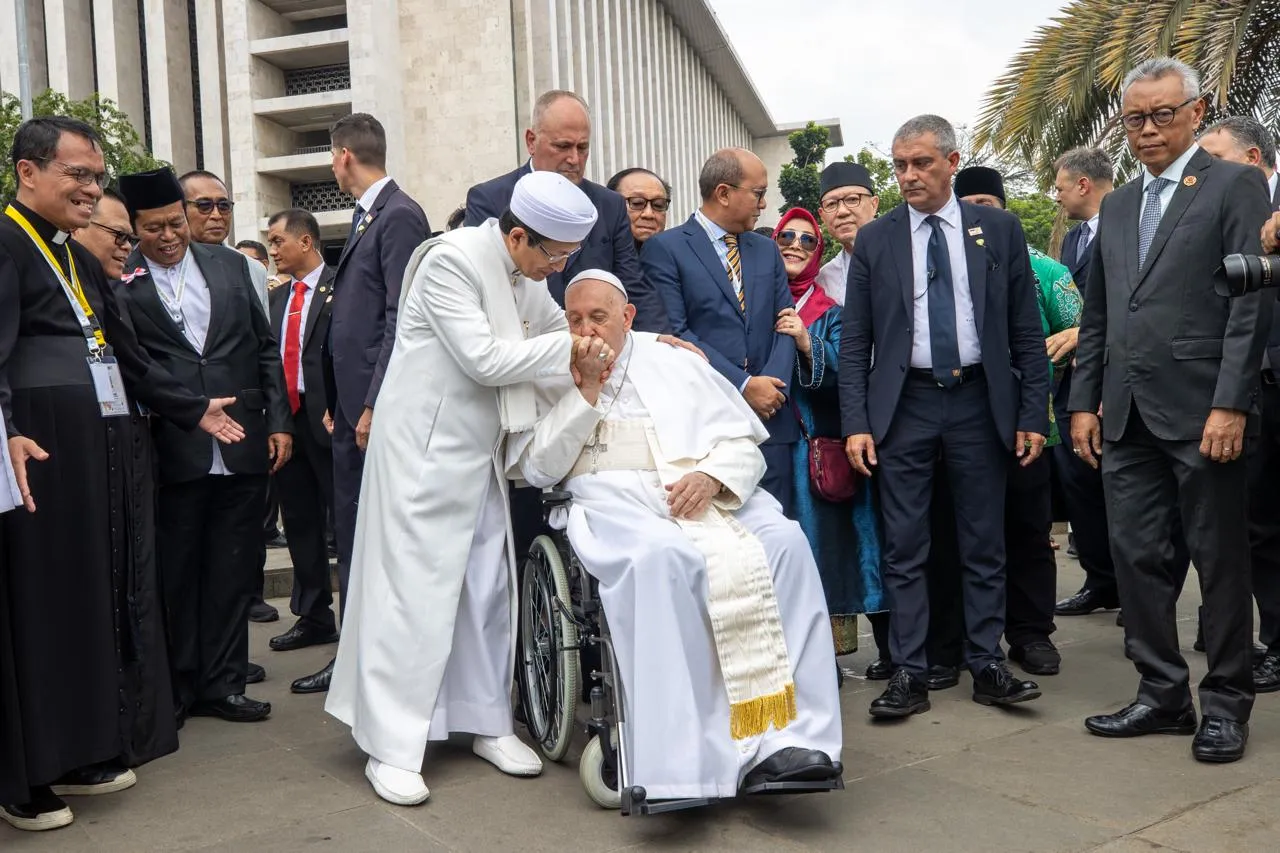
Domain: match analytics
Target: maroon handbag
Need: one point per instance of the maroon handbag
(830, 474)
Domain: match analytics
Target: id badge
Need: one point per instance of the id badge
(109, 386)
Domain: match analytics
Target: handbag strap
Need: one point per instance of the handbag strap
(796, 411)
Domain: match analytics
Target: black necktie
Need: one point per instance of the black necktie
(944, 343)
(1082, 245)
(355, 222)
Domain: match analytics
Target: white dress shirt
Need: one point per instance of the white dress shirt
(834, 276)
(194, 309)
(1174, 175)
(966, 325)
(311, 280)
(370, 196)
(1271, 187)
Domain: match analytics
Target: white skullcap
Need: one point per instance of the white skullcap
(598, 275)
(552, 205)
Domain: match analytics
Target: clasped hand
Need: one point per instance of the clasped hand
(591, 361)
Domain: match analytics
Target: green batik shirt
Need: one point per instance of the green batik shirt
(1060, 307)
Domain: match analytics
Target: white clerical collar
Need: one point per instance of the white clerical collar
(60, 237)
(370, 196)
(1174, 170)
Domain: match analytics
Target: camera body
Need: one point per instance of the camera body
(1241, 274)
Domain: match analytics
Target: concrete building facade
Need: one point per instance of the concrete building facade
(248, 88)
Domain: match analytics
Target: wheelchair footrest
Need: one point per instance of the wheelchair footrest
(836, 784)
(647, 807)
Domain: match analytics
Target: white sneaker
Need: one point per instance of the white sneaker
(509, 754)
(396, 786)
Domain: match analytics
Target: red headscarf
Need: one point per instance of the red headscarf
(807, 281)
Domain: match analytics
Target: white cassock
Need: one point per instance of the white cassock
(427, 643)
(654, 580)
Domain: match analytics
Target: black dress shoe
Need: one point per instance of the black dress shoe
(1266, 675)
(995, 685)
(301, 635)
(792, 764)
(262, 612)
(255, 674)
(1120, 619)
(105, 778)
(318, 683)
(1138, 719)
(43, 811)
(879, 670)
(1220, 740)
(1071, 546)
(942, 677)
(1038, 658)
(1085, 602)
(905, 695)
(1259, 652)
(236, 708)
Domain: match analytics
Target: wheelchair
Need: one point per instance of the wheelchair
(562, 631)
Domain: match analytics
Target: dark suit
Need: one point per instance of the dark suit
(703, 306)
(609, 246)
(362, 331)
(1159, 349)
(914, 421)
(305, 483)
(210, 526)
(1264, 491)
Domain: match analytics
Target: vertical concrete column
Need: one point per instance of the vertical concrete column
(377, 72)
(169, 83)
(213, 104)
(115, 40)
(9, 46)
(68, 33)
(242, 138)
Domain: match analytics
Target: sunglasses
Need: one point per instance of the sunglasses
(808, 242)
(207, 205)
(121, 238)
(639, 203)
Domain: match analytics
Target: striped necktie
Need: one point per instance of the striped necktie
(735, 270)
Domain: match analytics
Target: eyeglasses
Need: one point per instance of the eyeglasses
(1160, 118)
(808, 242)
(852, 202)
(121, 238)
(561, 258)
(758, 193)
(83, 177)
(639, 203)
(206, 205)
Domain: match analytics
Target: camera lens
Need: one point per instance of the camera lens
(1243, 274)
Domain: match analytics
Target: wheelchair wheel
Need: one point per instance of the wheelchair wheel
(601, 783)
(549, 665)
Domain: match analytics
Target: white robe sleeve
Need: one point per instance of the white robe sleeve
(453, 308)
(543, 455)
(738, 464)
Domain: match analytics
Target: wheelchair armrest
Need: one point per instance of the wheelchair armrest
(552, 498)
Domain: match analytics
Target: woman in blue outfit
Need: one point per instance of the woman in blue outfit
(844, 536)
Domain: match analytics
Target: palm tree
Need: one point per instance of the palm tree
(1063, 88)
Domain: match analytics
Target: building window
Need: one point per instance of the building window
(321, 78)
(320, 196)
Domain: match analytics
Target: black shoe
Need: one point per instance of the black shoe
(995, 685)
(1259, 652)
(792, 764)
(942, 677)
(301, 635)
(262, 612)
(1038, 658)
(44, 811)
(1220, 741)
(277, 541)
(255, 674)
(236, 708)
(1138, 719)
(879, 670)
(1120, 619)
(1266, 675)
(106, 778)
(1071, 546)
(1198, 645)
(1085, 602)
(905, 695)
(318, 683)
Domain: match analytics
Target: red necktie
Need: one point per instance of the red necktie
(293, 344)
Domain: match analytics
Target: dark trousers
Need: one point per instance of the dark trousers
(1031, 573)
(209, 533)
(955, 425)
(1264, 516)
(1150, 483)
(779, 475)
(348, 468)
(1081, 489)
(305, 485)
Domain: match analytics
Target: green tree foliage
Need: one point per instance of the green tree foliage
(798, 181)
(121, 147)
(1037, 212)
(881, 169)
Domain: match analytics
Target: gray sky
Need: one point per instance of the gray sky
(875, 63)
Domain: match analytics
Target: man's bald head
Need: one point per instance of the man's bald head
(559, 136)
(733, 183)
(596, 308)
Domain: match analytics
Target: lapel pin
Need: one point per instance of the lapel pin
(329, 298)
(1189, 181)
(323, 288)
(975, 231)
(980, 242)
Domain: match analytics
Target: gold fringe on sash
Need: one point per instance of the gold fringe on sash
(754, 716)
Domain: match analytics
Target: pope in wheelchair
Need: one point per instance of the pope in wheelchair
(718, 626)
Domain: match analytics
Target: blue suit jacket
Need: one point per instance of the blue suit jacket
(366, 297)
(702, 305)
(1079, 269)
(609, 246)
(878, 315)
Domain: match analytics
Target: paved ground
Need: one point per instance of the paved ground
(959, 778)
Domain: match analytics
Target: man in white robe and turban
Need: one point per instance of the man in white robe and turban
(428, 641)
(713, 599)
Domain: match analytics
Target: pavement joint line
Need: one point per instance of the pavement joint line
(1190, 807)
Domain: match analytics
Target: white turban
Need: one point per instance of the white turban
(598, 275)
(552, 205)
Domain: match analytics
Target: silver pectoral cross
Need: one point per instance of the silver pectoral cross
(595, 447)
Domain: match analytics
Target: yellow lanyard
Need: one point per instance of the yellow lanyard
(72, 288)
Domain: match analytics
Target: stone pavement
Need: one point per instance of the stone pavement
(959, 778)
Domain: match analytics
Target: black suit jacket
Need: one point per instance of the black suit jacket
(1159, 335)
(609, 246)
(878, 315)
(314, 333)
(1079, 266)
(239, 360)
(1273, 339)
(362, 328)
